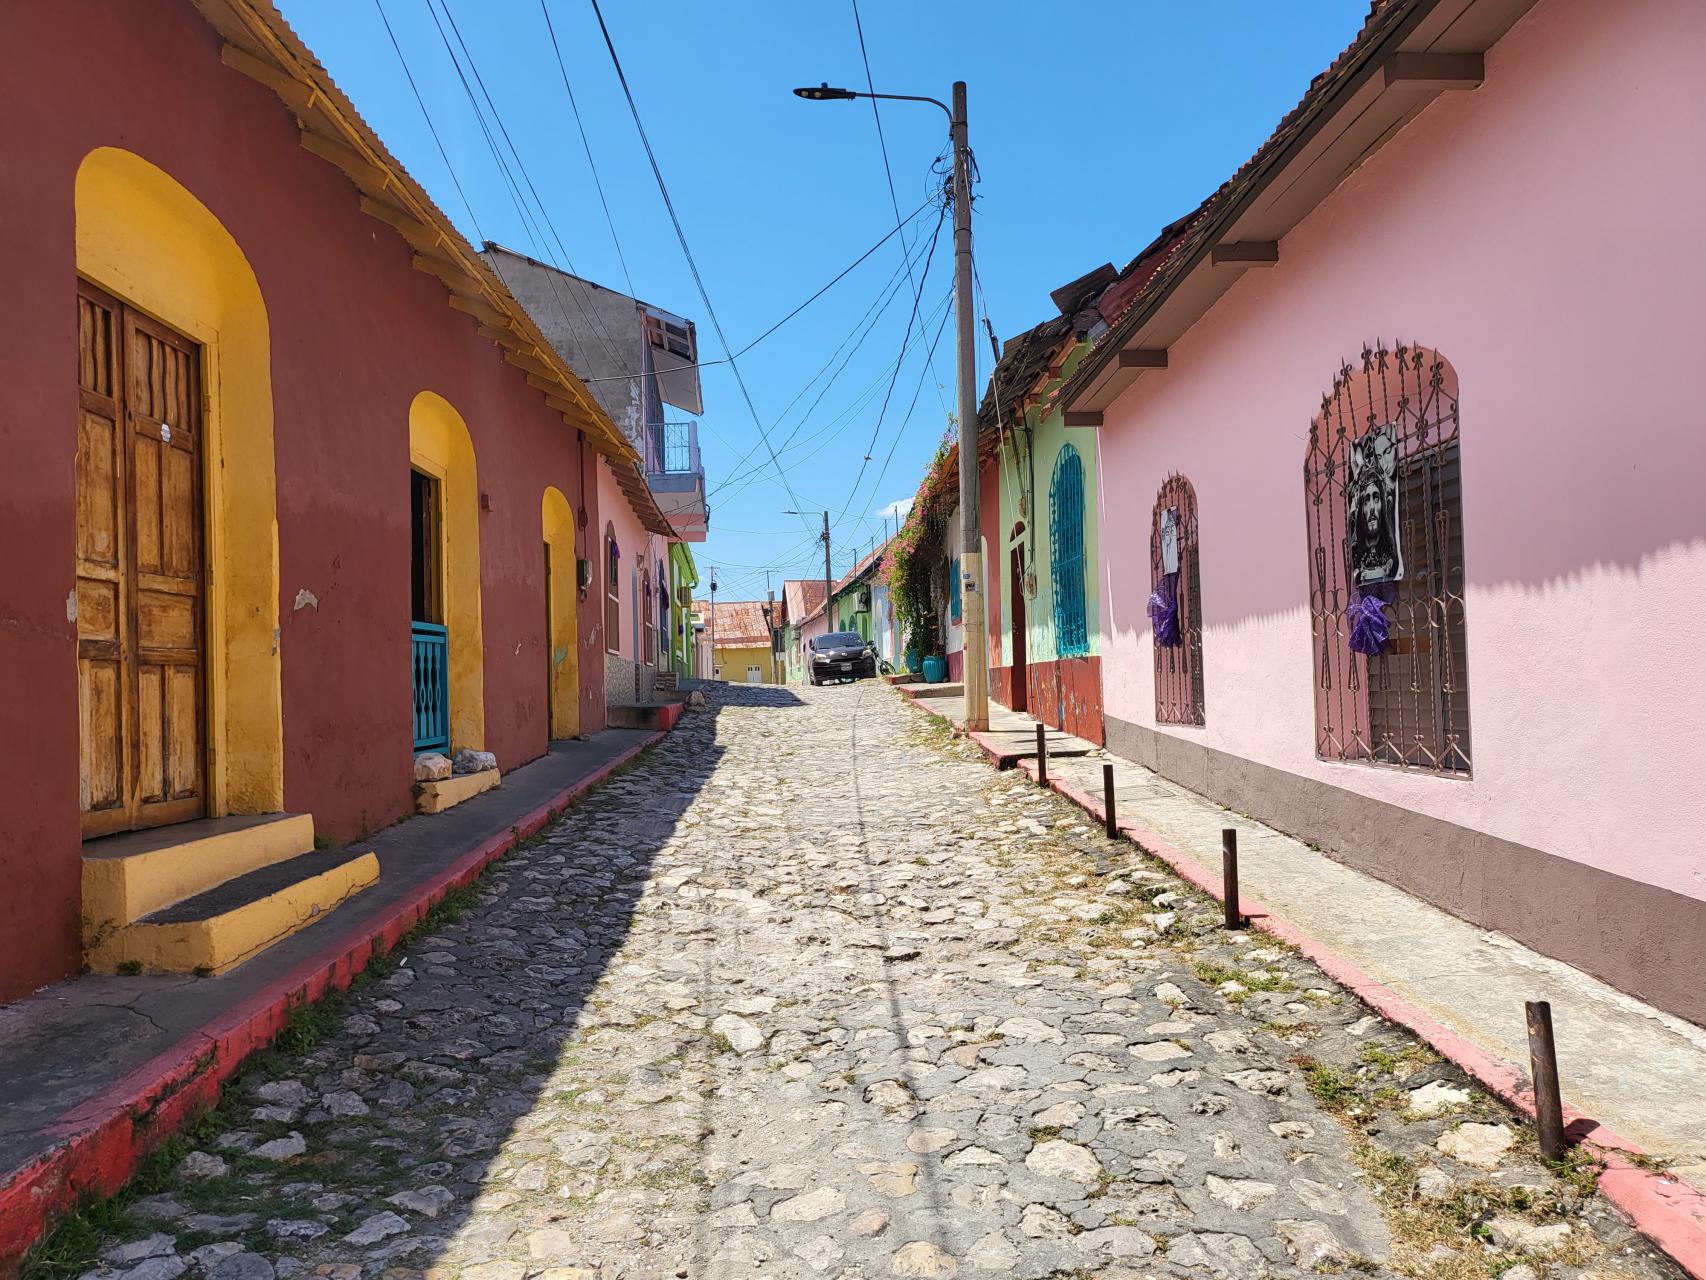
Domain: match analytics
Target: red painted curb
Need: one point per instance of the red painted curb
(101, 1142)
(1668, 1211)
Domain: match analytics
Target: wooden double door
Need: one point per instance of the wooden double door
(141, 573)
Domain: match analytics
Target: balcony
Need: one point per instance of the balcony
(677, 476)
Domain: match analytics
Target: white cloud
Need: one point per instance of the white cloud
(896, 510)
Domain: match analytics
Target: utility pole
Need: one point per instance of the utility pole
(826, 576)
(713, 622)
(976, 657)
(971, 546)
(770, 627)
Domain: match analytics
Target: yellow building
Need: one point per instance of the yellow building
(740, 643)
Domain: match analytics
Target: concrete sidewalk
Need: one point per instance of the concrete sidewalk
(100, 1068)
(1635, 1070)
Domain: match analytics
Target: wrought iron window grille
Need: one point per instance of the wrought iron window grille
(1179, 695)
(1407, 705)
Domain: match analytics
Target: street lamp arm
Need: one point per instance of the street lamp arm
(824, 93)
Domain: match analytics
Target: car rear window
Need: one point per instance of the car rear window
(839, 640)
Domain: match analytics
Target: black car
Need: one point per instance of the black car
(840, 655)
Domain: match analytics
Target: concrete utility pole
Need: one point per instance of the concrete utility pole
(971, 545)
(826, 578)
(770, 624)
(713, 622)
(976, 656)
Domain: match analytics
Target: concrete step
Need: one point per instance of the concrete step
(947, 689)
(436, 797)
(226, 925)
(125, 877)
(644, 715)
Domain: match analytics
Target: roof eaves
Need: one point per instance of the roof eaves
(263, 46)
(1387, 23)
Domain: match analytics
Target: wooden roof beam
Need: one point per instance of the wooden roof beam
(523, 360)
(1144, 358)
(458, 280)
(417, 233)
(1435, 71)
(1245, 253)
(296, 95)
(369, 177)
(481, 310)
(1083, 417)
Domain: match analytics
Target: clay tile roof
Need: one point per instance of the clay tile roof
(1024, 359)
(1151, 274)
(802, 597)
(739, 623)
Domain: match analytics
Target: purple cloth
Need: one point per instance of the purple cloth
(1369, 627)
(1164, 611)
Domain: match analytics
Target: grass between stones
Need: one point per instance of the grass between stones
(1441, 1228)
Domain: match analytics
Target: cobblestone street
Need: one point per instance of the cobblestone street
(811, 991)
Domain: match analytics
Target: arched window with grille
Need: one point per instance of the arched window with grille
(612, 591)
(648, 631)
(1066, 553)
(666, 653)
(1384, 502)
(1176, 604)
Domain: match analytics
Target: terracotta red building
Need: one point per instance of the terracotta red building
(278, 441)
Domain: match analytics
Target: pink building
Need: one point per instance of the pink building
(1425, 366)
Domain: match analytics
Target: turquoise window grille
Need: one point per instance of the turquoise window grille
(954, 589)
(1066, 553)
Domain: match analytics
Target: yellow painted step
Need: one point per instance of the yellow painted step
(125, 877)
(220, 929)
(436, 797)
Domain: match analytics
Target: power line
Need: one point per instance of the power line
(427, 116)
(698, 281)
(591, 164)
(826, 434)
(915, 394)
(873, 314)
(842, 275)
(905, 339)
(882, 142)
(592, 318)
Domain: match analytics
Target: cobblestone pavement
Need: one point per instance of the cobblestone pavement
(810, 991)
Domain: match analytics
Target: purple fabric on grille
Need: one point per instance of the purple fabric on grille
(1164, 611)
(1369, 628)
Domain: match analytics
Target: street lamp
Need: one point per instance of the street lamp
(971, 546)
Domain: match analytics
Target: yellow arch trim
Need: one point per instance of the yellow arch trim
(563, 636)
(440, 446)
(143, 237)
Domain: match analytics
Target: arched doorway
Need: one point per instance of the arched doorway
(445, 493)
(180, 693)
(562, 634)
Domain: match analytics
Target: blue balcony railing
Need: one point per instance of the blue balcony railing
(430, 644)
(673, 448)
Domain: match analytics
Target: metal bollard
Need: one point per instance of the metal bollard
(1229, 876)
(1543, 1065)
(1113, 826)
(1042, 757)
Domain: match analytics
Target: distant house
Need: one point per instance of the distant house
(740, 640)
(802, 618)
(640, 362)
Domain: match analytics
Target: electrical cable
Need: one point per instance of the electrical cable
(597, 182)
(882, 143)
(591, 317)
(873, 314)
(693, 267)
(911, 319)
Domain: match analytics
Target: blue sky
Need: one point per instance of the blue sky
(1093, 125)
